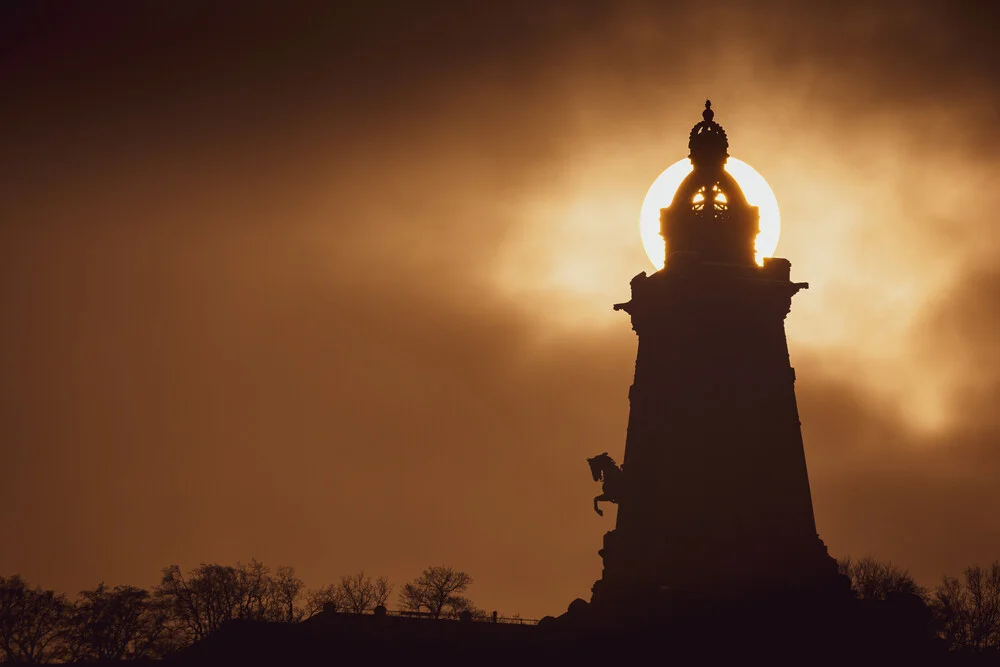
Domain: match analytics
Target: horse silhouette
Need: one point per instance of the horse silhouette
(604, 468)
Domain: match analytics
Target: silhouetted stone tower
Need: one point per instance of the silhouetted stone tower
(715, 496)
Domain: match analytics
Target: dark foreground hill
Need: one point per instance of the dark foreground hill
(893, 632)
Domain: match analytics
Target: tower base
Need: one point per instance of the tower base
(759, 571)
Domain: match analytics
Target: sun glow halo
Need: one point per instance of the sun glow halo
(756, 189)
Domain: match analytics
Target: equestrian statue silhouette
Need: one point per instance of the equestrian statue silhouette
(604, 468)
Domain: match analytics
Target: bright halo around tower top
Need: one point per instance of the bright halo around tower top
(756, 189)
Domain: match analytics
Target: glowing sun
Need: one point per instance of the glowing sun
(756, 189)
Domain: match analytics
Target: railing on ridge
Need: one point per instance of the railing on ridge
(477, 618)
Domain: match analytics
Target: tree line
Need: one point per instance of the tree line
(130, 623)
(965, 610)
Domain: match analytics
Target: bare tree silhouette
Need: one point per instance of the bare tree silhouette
(359, 593)
(124, 623)
(968, 609)
(872, 579)
(438, 591)
(321, 599)
(202, 602)
(288, 591)
(31, 621)
(255, 592)
(213, 594)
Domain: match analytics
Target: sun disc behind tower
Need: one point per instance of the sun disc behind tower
(756, 189)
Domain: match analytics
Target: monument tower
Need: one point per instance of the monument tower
(713, 493)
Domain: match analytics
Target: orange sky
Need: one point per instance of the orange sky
(332, 287)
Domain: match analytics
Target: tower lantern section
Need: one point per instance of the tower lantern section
(709, 216)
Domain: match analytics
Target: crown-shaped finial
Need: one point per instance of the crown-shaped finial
(708, 141)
